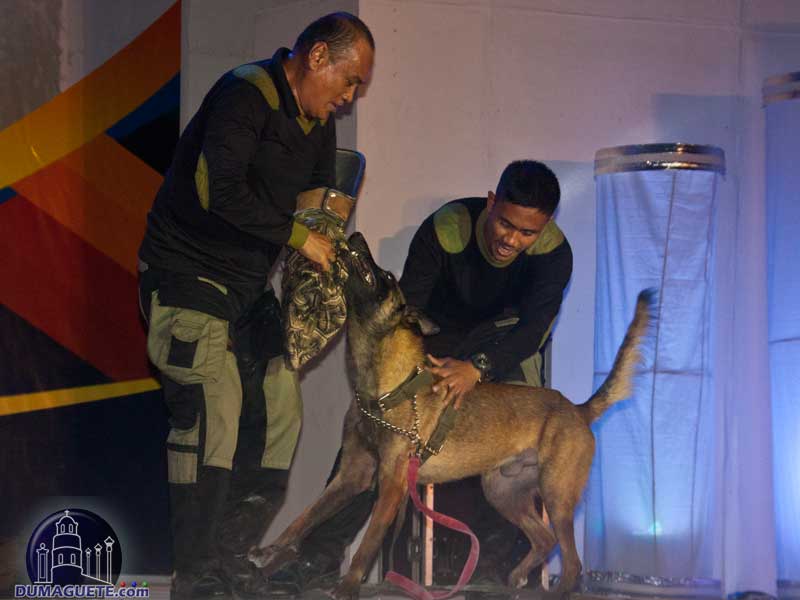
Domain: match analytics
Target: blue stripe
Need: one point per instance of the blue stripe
(6, 193)
(163, 101)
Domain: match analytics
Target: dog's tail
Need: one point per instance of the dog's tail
(617, 385)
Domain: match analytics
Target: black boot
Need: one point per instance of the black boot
(255, 497)
(206, 583)
(246, 580)
(196, 510)
(305, 573)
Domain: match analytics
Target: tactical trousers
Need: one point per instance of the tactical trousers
(233, 434)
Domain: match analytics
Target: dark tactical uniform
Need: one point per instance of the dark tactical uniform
(216, 227)
(502, 310)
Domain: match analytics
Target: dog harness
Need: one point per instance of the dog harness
(378, 410)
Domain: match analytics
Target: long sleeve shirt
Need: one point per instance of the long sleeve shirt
(451, 277)
(226, 205)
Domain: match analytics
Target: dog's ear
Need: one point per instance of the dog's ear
(414, 317)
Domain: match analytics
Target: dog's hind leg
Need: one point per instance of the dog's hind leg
(562, 520)
(561, 486)
(510, 489)
(391, 491)
(542, 542)
(356, 474)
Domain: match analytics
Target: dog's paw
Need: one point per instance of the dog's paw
(517, 580)
(271, 558)
(345, 591)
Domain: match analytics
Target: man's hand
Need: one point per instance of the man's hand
(458, 378)
(318, 249)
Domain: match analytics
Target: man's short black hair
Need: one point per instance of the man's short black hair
(339, 30)
(529, 183)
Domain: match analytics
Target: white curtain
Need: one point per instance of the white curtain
(682, 484)
(650, 499)
(783, 281)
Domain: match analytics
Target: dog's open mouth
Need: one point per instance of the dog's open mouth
(362, 269)
(361, 258)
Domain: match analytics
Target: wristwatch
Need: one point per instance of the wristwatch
(481, 362)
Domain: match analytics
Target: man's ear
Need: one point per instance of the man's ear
(490, 200)
(318, 56)
(413, 317)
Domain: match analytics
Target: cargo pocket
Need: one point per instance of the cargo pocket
(182, 454)
(186, 345)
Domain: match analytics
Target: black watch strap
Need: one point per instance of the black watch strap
(481, 362)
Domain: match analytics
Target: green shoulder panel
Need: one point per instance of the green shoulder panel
(550, 239)
(453, 226)
(261, 79)
(201, 181)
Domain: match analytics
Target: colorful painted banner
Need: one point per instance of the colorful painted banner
(77, 177)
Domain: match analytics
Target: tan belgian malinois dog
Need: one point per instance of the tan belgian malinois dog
(500, 432)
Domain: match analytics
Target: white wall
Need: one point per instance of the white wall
(98, 29)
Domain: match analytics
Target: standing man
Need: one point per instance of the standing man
(491, 273)
(264, 133)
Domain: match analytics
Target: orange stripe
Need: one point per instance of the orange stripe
(76, 295)
(23, 403)
(122, 177)
(70, 200)
(95, 103)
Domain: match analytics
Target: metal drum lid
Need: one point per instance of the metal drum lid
(658, 157)
(781, 87)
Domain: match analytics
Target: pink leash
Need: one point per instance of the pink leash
(414, 589)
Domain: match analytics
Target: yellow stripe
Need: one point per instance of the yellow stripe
(23, 403)
(201, 181)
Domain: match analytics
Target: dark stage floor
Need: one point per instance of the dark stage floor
(160, 590)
